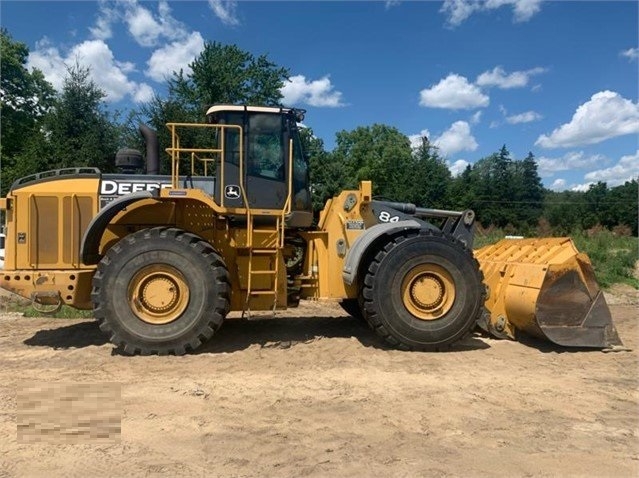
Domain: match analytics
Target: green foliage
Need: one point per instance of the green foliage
(25, 97)
(378, 153)
(430, 179)
(219, 74)
(326, 176)
(79, 132)
(65, 312)
(569, 211)
(502, 191)
(613, 257)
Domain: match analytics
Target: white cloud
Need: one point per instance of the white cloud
(457, 167)
(527, 117)
(148, 29)
(143, 93)
(225, 11)
(47, 59)
(174, 56)
(314, 93)
(453, 92)
(476, 118)
(631, 53)
(416, 139)
(523, 10)
(106, 16)
(499, 78)
(558, 185)
(606, 115)
(626, 169)
(458, 11)
(581, 188)
(107, 73)
(455, 139)
(569, 161)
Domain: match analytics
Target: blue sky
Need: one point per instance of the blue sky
(559, 79)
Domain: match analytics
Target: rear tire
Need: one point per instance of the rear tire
(160, 291)
(352, 308)
(423, 292)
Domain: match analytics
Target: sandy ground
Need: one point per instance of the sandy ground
(320, 396)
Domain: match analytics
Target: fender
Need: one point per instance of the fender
(363, 242)
(91, 239)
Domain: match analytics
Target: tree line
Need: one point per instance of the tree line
(43, 129)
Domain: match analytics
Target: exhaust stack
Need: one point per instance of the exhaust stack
(152, 149)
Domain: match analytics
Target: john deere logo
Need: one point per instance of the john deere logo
(232, 191)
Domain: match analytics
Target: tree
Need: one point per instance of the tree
(564, 211)
(79, 131)
(326, 175)
(623, 200)
(219, 74)
(381, 154)
(25, 97)
(528, 191)
(463, 190)
(598, 209)
(431, 180)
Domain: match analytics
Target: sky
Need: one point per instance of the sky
(555, 78)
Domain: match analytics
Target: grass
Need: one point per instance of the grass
(66, 312)
(613, 257)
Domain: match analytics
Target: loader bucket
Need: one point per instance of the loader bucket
(545, 288)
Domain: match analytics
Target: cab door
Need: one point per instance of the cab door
(263, 149)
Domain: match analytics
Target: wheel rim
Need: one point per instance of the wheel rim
(428, 291)
(158, 294)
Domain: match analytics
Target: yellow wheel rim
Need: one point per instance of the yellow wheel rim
(428, 291)
(158, 294)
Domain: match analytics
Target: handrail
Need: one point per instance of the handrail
(176, 150)
(72, 255)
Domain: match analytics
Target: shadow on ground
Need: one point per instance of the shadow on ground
(239, 334)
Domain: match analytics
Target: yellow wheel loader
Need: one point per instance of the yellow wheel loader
(161, 260)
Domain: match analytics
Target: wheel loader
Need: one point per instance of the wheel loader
(162, 259)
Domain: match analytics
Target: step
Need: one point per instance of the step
(263, 272)
(262, 292)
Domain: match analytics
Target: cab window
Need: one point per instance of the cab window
(265, 149)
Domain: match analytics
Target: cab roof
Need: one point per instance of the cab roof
(299, 113)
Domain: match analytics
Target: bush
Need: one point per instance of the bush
(613, 256)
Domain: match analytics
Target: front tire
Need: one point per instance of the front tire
(423, 292)
(160, 291)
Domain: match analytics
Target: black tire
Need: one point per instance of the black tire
(160, 291)
(423, 292)
(352, 308)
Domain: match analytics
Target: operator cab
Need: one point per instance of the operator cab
(268, 134)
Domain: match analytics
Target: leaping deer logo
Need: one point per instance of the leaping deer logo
(232, 192)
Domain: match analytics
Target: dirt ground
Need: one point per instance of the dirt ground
(320, 396)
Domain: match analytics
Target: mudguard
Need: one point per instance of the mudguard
(363, 242)
(91, 239)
